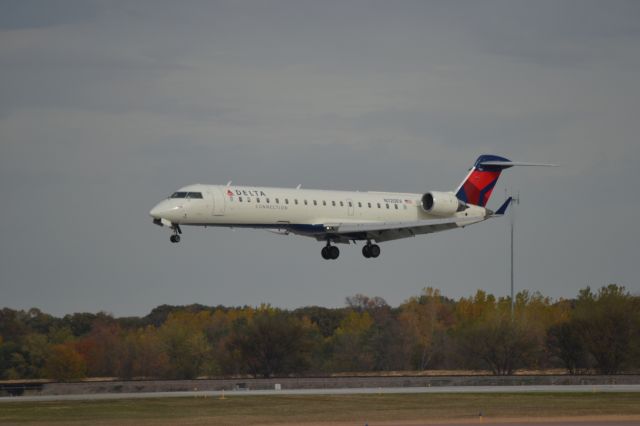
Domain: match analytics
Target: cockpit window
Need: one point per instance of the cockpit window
(187, 195)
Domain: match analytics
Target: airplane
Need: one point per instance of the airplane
(337, 217)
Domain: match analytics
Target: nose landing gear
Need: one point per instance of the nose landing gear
(175, 238)
(371, 250)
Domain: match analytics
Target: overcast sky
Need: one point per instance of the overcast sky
(108, 107)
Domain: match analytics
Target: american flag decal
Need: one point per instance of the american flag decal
(229, 193)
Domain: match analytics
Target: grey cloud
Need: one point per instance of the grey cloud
(105, 111)
(21, 14)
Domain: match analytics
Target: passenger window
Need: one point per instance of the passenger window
(369, 205)
(396, 206)
(333, 203)
(305, 202)
(324, 203)
(359, 204)
(257, 200)
(277, 201)
(239, 199)
(315, 203)
(295, 201)
(248, 200)
(267, 201)
(286, 201)
(379, 205)
(350, 204)
(387, 206)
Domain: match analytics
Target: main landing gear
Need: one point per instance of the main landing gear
(330, 252)
(371, 250)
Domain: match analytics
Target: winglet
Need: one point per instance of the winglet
(503, 208)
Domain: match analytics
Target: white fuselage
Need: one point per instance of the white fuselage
(337, 216)
(273, 207)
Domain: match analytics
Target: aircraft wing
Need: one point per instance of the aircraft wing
(386, 231)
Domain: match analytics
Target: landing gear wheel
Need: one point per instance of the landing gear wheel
(330, 252)
(175, 238)
(371, 250)
(325, 253)
(333, 252)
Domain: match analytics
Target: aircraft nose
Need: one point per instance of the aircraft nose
(164, 210)
(155, 212)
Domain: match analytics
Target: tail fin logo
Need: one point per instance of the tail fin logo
(477, 187)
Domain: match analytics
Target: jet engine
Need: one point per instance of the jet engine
(442, 203)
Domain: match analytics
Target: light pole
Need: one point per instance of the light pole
(512, 214)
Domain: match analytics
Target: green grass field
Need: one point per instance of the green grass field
(354, 409)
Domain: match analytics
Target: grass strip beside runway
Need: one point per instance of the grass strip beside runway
(359, 409)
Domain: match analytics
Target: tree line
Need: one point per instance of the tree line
(597, 332)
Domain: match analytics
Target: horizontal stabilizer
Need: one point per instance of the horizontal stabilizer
(503, 208)
(514, 163)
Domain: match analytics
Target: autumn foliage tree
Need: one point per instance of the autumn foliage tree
(349, 346)
(183, 342)
(102, 349)
(425, 320)
(271, 342)
(599, 331)
(64, 362)
(565, 343)
(490, 336)
(503, 344)
(607, 323)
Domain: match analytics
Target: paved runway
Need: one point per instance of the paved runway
(347, 391)
(540, 422)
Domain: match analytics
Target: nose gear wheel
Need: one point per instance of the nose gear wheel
(175, 238)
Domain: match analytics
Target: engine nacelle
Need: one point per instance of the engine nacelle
(441, 203)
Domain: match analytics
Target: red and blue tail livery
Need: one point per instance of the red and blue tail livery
(477, 187)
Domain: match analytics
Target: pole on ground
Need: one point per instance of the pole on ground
(512, 214)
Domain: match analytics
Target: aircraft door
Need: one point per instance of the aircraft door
(218, 201)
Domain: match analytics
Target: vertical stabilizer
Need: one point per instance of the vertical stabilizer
(479, 183)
